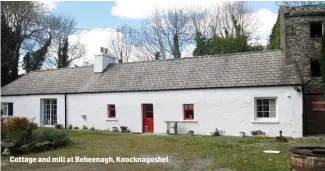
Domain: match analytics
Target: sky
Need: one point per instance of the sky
(103, 17)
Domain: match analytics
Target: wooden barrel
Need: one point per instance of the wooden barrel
(308, 159)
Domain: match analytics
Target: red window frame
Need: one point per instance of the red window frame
(111, 107)
(188, 109)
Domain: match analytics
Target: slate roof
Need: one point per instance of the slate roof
(306, 10)
(233, 70)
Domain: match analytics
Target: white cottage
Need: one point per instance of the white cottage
(235, 93)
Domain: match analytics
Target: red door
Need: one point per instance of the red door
(147, 111)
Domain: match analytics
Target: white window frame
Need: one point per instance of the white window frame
(45, 121)
(265, 119)
(3, 105)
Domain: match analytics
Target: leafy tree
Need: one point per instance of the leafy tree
(26, 21)
(230, 43)
(275, 36)
(34, 60)
(322, 61)
(256, 48)
(28, 62)
(8, 46)
(63, 57)
(176, 50)
(201, 45)
(232, 40)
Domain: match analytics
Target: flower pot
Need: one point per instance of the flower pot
(7, 145)
(115, 129)
(242, 134)
(190, 132)
(123, 129)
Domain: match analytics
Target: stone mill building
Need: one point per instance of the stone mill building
(301, 29)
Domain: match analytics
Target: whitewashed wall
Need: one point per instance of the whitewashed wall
(30, 106)
(231, 110)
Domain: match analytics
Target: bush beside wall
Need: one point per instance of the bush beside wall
(27, 138)
(16, 124)
(57, 137)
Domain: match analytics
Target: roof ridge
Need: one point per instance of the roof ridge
(203, 56)
(171, 59)
(61, 68)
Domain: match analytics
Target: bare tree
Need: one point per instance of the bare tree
(166, 32)
(61, 27)
(120, 44)
(214, 20)
(238, 14)
(219, 19)
(204, 21)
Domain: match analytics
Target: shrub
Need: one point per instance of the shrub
(20, 137)
(76, 127)
(92, 129)
(57, 137)
(84, 127)
(12, 124)
(70, 126)
(58, 126)
(34, 125)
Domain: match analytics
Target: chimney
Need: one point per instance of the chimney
(102, 60)
(157, 55)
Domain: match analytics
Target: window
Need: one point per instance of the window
(316, 30)
(265, 108)
(148, 110)
(50, 112)
(315, 68)
(111, 111)
(149, 114)
(7, 109)
(188, 111)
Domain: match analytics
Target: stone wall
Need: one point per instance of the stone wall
(299, 45)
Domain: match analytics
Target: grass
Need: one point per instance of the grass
(184, 152)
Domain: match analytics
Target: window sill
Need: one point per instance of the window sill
(189, 120)
(111, 119)
(315, 38)
(49, 126)
(266, 121)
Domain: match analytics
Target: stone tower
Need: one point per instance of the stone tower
(301, 29)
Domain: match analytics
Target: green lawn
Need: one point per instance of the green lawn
(184, 152)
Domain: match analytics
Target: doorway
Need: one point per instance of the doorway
(314, 120)
(147, 115)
